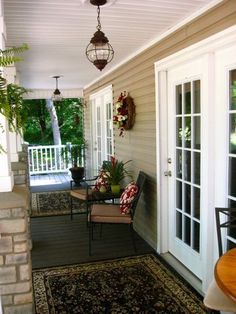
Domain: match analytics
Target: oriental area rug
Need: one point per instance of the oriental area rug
(54, 203)
(138, 284)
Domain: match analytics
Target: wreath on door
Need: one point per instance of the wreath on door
(124, 113)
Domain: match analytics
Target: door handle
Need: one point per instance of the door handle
(167, 173)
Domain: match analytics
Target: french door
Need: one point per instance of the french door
(185, 89)
(102, 127)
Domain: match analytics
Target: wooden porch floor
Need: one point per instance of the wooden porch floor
(50, 182)
(58, 240)
(49, 178)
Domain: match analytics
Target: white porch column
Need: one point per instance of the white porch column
(6, 175)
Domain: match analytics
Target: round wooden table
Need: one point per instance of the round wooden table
(225, 273)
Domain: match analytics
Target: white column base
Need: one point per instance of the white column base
(6, 183)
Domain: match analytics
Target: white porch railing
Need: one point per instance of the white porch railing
(47, 159)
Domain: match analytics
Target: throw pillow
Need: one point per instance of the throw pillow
(127, 197)
(101, 182)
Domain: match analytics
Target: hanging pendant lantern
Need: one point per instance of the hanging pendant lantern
(56, 96)
(99, 51)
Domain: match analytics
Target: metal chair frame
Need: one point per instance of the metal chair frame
(229, 222)
(142, 177)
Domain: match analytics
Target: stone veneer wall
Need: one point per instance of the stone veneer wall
(15, 258)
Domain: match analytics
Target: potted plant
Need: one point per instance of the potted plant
(115, 172)
(74, 155)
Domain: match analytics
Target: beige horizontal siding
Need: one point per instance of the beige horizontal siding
(138, 78)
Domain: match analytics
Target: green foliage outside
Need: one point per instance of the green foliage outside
(38, 130)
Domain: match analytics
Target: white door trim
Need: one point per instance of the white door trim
(161, 136)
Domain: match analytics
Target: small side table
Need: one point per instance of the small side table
(225, 273)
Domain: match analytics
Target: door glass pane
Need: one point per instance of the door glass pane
(232, 203)
(196, 203)
(179, 194)
(187, 230)
(187, 132)
(197, 132)
(187, 201)
(179, 224)
(232, 89)
(232, 176)
(196, 236)
(196, 167)
(196, 96)
(179, 99)
(187, 98)
(179, 163)
(179, 133)
(188, 163)
(232, 130)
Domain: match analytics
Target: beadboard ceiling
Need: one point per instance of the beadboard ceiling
(58, 31)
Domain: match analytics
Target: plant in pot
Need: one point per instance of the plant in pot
(116, 171)
(74, 155)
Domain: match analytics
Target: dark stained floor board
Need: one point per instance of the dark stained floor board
(58, 240)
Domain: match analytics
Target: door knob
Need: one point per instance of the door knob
(167, 173)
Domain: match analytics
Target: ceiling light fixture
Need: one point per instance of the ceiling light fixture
(56, 96)
(99, 51)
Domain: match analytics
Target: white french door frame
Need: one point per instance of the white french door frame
(204, 49)
(99, 100)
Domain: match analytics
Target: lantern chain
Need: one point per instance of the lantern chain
(98, 19)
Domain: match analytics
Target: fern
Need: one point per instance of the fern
(7, 57)
(11, 95)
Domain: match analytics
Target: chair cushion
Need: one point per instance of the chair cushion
(104, 213)
(127, 197)
(81, 194)
(101, 182)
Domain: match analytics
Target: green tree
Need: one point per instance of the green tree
(38, 130)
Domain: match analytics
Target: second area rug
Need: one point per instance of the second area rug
(140, 284)
(54, 203)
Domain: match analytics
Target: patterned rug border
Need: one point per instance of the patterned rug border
(155, 264)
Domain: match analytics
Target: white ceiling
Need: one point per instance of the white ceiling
(58, 31)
